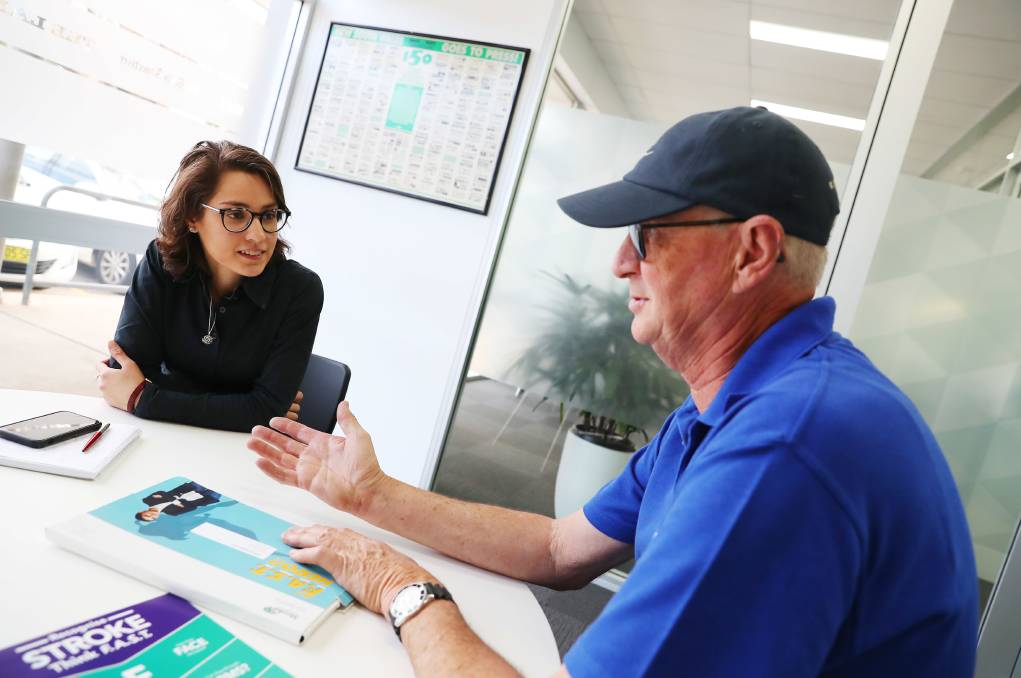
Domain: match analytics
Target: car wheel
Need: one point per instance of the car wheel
(115, 268)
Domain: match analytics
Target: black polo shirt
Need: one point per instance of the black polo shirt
(251, 371)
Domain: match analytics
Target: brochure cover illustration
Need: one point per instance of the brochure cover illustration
(234, 559)
(160, 637)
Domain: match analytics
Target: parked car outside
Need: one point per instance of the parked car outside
(55, 262)
(42, 172)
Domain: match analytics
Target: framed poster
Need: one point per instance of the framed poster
(421, 115)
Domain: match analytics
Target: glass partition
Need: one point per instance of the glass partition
(940, 312)
(111, 94)
(555, 336)
(553, 342)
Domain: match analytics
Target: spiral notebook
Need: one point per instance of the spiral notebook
(67, 458)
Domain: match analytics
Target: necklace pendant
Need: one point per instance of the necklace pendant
(208, 339)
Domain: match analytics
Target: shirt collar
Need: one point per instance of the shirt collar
(258, 288)
(784, 342)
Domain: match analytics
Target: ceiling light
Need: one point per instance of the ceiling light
(838, 43)
(1010, 156)
(808, 115)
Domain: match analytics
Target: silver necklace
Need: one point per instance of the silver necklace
(209, 338)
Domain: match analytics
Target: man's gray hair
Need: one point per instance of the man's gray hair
(804, 261)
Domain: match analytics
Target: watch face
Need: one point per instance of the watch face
(407, 601)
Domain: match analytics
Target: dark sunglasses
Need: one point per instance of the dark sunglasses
(637, 231)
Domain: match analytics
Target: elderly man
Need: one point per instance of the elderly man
(794, 517)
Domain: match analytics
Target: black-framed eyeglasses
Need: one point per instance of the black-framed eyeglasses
(238, 219)
(637, 231)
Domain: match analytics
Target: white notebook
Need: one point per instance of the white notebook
(67, 458)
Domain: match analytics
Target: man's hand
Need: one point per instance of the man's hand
(340, 470)
(295, 408)
(118, 385)
(370, 570)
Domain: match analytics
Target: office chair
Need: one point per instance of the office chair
(324, 387)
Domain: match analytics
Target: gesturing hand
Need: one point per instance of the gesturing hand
(370, 570)
(340, 470)
(118, 385)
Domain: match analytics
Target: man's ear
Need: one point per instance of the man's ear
(759, 248)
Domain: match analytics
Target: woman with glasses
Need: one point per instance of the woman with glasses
(218, 325)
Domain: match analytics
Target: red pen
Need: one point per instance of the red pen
(95, 437)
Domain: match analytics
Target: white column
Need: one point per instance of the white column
(11, 155)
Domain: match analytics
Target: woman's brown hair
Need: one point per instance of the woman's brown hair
(194, 184)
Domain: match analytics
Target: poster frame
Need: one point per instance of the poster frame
(525, 52)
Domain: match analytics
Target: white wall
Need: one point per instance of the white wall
(404, 278)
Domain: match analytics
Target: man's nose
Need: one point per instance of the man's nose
(625, 261)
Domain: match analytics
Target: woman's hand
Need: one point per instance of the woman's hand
(370, 570)
(295, 408)
(118, 385)
(341, 470)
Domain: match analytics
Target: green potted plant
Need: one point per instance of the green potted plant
(586, 358)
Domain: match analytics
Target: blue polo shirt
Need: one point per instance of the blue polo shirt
(805, 524)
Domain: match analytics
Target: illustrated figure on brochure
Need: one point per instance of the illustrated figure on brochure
(187, 498)
(182, 499)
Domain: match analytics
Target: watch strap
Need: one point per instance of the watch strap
(434, 591)
(438, 591)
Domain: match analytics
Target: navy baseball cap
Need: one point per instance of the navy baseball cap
(744, 161)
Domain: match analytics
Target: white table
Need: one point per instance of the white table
(43, 587)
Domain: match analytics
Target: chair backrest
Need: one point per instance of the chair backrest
(323, 387)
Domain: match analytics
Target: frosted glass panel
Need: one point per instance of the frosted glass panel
(126, 84)
(940, 312)
(941, 315)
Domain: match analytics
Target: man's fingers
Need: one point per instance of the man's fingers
(295, 408)
(298, 398)
(305, 537)
(272, 454)
(279, 440)
(314, 555)
(347, 420)
(277, 473)
(293, 429)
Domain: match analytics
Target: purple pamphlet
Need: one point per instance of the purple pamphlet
(165, 636)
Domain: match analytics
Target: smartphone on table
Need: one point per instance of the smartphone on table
(49, 429)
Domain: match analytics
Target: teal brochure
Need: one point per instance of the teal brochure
(194, 520)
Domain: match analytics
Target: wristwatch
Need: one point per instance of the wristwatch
(412, 598)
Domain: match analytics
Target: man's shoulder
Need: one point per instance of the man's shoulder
(834, 385)
(837, 414)
(833, 409)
